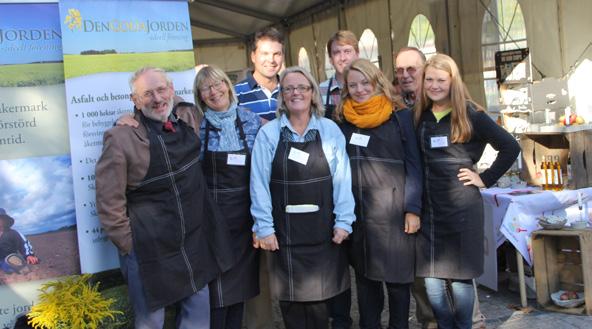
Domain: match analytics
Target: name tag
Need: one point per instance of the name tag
(359, 140)
(298, 156)
(438, 141)
(236, 159)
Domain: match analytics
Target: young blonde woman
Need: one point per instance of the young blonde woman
(387, 183)
(453, 132)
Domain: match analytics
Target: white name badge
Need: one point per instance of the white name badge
(298, 156)
(438, 141)
(236, 159)
(359, 140)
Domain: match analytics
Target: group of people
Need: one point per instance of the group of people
(273, 188)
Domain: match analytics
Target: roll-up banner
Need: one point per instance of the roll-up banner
(104, 42)
(64, 72)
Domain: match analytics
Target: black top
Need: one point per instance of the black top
(485, 131)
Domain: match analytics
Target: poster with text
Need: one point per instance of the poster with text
(37, 219)
(104, 42)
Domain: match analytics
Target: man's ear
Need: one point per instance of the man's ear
(135, 99)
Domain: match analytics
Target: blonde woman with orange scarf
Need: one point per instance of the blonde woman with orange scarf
(387, 187)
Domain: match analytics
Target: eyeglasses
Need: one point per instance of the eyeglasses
(218, 85)
(290, 89)
(410, 70)
(160, 91)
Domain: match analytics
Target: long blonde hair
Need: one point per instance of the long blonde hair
(382, 86)
(460, 99)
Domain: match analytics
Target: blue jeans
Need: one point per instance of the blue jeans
(192, 312)
(452, 302)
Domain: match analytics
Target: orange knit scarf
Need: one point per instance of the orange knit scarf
(369, 114)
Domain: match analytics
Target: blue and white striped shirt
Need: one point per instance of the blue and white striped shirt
(251, 95)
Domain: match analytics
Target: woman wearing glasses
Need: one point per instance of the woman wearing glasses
(302, 202)
(228, 133)
(387, 183)
(453, 132)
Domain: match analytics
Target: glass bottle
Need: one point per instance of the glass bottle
(545, 180)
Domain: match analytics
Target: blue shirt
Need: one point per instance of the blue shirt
(333, 143)
(250, 95)
(251, 124)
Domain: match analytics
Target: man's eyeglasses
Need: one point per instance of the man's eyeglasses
(410, 70)
(216, 85)
(290, 89)
(160, 91)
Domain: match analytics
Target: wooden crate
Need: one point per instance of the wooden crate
(576, 145)
(563, 261)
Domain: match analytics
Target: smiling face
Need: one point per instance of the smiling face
(153, 95)
(267, 58)
(297, 93)
(215, 94)
(409, 66)
(358, 86)
(437, 85)
(342, 55)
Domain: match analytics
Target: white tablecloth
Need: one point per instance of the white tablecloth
(515, 212)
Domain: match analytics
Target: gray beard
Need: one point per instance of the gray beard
(149, 114)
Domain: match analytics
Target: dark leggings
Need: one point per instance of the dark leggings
(228, 317)
(371, 303)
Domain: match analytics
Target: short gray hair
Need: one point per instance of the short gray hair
(316, 106)
(211, 72)
(143, 70)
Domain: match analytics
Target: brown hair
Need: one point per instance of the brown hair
(378, 80)
(268, 33)
(460, 99)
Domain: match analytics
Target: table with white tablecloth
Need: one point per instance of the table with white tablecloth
(512, 214)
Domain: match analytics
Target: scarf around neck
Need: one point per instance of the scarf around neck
(224, 122)
(369, 114)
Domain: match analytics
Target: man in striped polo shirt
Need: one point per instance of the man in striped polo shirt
(259, 91)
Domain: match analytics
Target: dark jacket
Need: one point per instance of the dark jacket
(450, 243)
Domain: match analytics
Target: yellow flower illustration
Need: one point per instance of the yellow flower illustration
(73, 19)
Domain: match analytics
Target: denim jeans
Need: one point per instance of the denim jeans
(192, 312)
(371, 303)
(452, 302)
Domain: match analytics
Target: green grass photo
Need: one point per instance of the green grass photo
(81, 65)
(28, 75)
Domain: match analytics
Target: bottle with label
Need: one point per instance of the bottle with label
(550, 174)
(557, 177)
(545, 180)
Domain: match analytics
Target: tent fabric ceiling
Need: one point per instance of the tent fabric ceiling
(237, 20)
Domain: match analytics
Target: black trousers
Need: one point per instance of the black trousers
(371, 303)
(339, 310)
(305, 315)
(228, 317)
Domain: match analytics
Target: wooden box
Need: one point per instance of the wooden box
(575, 145)
(563, 261)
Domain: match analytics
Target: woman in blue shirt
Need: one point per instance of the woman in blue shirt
(302, 202)
(228, 133)
(387, 186)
